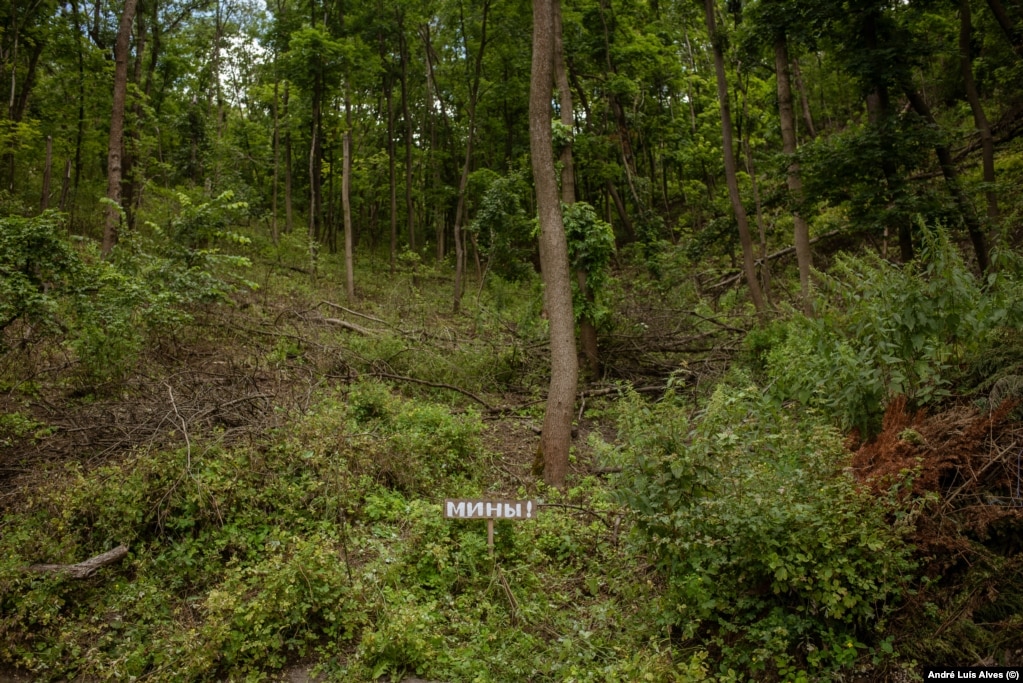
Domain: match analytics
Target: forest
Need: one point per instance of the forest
(730, 292)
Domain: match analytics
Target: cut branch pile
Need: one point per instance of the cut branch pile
(972, 461)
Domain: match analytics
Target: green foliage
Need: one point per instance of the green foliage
(774, 557)
(502, 225)
(411, 445)
(104, 310)
(36, 262)
(885, 330)
(591, 245)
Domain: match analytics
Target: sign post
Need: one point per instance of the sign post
(490, 510)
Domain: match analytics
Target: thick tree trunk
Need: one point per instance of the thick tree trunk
(795, 183)
(556, 436)
(113, 214)
(731, 176)
(979, 117)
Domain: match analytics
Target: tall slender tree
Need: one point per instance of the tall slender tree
(731, 176)
(556, 436)
(121, 47)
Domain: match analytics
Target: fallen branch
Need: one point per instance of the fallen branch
(611, 390)
(84, 569)
(351, 312)
(352, 327)
(437, 385)
(770, 257)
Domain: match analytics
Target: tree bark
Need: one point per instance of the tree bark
(792, 179)
(731, 176)
(587, 330)
(113, 214)
(556, 436)
(979, 117)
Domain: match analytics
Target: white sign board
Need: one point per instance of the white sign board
(489, 509)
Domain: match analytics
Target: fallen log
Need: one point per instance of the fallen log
(85, 569)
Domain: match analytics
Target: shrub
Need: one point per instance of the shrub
(886, 330)
(774, 558)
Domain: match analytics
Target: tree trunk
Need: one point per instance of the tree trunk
(731, 176)
(1005, 23)
(47, 168)
(131, 139)
(113, 214)
(314, 184)
(474, 91)
(274, 231)
(288, 215)
(391, 176)
(804, 100)
(80, 131)
(795, 183)
(948, 170)
(556, 436)
(623, 214)
(979, 118)
(346, 204)
(409, 207)
(587, 330)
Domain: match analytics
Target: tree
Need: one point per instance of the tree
(731, 177)
(795, 183)
(556, 436)
(113, 214)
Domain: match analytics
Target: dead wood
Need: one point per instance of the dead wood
(85, 569)
(438, 385)
(356, 313)
(732, 279)
(352, 327)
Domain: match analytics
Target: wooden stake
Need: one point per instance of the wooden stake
(490, 535)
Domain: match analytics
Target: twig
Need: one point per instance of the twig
(184, 429)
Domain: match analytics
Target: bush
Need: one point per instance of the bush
(886, 330)
(773, 556)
